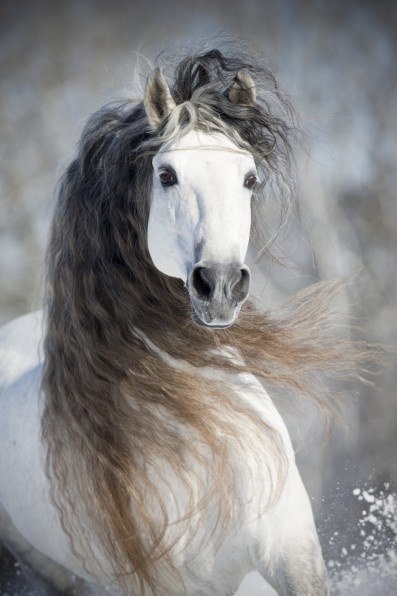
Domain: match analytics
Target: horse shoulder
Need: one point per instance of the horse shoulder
(25, 504)
(20, 347)
(20, 376)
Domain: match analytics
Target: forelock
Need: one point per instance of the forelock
(197, 115)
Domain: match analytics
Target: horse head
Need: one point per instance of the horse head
(200, 209)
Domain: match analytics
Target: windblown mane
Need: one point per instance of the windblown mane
(109, 397)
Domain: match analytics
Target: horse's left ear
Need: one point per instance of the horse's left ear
(243, 90)
(158, 101)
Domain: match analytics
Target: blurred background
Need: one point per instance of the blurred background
(60, 61)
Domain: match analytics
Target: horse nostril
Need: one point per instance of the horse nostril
(220, 282)
(203, 283)
(240, 288)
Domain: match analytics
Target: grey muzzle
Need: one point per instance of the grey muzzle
(217, 291)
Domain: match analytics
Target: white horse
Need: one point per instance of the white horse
(154, 215)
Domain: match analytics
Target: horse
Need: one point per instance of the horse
(139, 446)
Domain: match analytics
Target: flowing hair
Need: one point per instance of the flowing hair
(125, 393)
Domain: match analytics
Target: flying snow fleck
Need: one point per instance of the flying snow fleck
(369, 567)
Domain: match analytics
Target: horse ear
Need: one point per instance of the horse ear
(243, 90)
(158, 101)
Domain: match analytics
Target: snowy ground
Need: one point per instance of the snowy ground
(366, 566)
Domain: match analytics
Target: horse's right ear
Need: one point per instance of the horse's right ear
(158, 101)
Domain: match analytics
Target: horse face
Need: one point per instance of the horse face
(200, 213)
(199, 221)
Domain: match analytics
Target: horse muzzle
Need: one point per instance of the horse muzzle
(217, 292)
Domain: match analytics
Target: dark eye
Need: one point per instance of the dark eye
(167, 177)
(251, 181)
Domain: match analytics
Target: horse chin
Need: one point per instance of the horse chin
(200, 320)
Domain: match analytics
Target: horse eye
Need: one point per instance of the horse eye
(167, 177)
(251, 181)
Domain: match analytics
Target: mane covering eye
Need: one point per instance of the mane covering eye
(167, 177)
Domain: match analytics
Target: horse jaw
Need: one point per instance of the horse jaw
(205, 217)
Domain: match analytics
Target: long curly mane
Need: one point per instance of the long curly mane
(115, 410)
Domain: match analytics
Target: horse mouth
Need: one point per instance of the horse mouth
(201, 319)
(201, 323)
